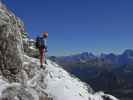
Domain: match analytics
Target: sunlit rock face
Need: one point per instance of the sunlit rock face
(10, 44)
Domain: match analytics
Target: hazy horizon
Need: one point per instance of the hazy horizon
(92, 52)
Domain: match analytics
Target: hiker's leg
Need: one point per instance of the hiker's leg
(41, 56)
(44, 57)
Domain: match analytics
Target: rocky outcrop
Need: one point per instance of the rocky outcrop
(29, 48)
(11, 52)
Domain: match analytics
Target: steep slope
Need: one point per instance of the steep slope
(53, 83)
(62, 86)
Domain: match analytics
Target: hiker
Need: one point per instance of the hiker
(42, 47)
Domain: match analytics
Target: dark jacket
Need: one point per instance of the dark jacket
(41, 43)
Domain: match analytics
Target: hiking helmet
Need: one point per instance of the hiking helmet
(45, 34)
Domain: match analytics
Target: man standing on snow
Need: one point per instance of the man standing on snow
(42, 47)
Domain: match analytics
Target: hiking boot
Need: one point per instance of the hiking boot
(42, 67)
(46, 62)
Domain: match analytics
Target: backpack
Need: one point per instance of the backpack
(40, 42)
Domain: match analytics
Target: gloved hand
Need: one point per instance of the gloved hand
(46, 50)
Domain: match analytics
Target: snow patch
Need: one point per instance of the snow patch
(53, 82)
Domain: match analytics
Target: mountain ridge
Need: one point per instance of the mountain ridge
(124, 58)
(111, 73)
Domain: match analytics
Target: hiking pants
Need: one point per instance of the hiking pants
(42, 56)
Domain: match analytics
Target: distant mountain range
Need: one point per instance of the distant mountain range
(125, 58)
(111, 73)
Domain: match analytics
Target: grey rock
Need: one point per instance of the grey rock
(29, 48)
(11, 46)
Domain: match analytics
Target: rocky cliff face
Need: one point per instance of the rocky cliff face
(11, 51)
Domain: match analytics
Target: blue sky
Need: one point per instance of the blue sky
(78, 25)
